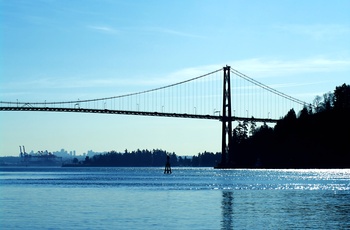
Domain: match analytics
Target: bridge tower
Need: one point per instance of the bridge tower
(226, 152)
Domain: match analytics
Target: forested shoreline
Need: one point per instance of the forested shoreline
(147, 158)
(316, 137)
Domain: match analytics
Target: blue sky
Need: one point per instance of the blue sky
(65, 50)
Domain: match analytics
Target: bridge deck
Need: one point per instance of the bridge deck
(138, 113)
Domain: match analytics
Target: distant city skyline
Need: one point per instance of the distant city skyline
(61, 153)
(65, 50)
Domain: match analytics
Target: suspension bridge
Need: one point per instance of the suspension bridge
(226, 95)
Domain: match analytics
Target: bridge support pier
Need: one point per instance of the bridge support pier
(226, 152)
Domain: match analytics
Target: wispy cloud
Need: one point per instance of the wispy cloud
(156, 30)
(172, 32)
(261, 67)
(318, 31)
(296, 84)
(103, 29)
(57, 83)
(256, 68)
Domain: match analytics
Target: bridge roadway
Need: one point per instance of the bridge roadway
(138, 113)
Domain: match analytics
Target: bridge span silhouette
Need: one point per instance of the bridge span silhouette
(226, 95)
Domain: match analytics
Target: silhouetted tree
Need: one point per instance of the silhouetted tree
(328, 99)
(87, 160)
(317, 103)
(252, 127)
(342, 97)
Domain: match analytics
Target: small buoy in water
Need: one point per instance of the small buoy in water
(167, 169)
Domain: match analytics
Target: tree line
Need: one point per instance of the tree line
(147, 158)
(317, 137)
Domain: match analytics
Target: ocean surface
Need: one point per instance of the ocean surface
(189, 198)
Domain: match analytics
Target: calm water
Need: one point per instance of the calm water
(190, 198)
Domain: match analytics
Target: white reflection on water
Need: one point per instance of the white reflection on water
(190, 198)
